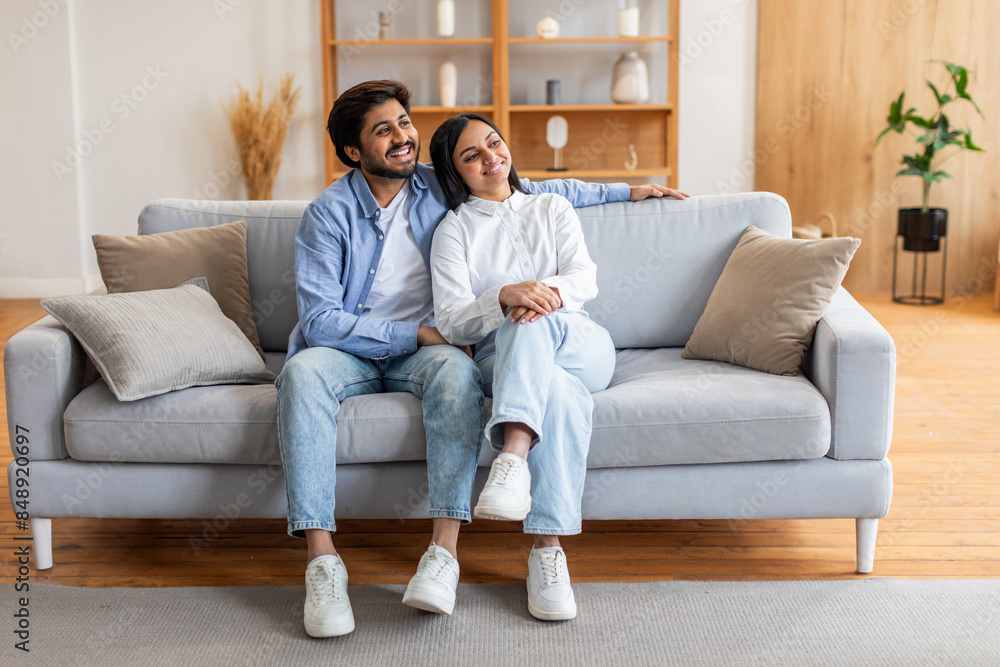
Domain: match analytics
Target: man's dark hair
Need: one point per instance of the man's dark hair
(443, 145)
(347, 118)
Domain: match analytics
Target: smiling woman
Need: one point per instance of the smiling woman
(511, 274)
(461, 147)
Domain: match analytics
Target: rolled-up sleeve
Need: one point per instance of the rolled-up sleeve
(576, 278)
(320, 264)
(459, 316)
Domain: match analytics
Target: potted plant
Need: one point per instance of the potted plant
(922, 228)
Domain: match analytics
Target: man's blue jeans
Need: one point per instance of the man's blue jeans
(311, 387)
(542, 376)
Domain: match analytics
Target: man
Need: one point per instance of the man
(366, 326)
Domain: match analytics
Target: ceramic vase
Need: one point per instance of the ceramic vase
(448, 75)
(630, 81)
(446, 18)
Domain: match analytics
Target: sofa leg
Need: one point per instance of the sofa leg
(866, 530)
(41, 534)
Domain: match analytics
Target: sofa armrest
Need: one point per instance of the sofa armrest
(43, 370)
(852, 362)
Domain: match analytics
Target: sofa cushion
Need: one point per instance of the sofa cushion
(270, 247)
(660, 409)
(773, 291)
(157, 341)
(159, 261)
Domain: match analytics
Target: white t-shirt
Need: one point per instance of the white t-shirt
(401, 291)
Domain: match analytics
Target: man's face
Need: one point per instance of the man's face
(389, 142)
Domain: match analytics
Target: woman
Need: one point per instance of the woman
(511, 273)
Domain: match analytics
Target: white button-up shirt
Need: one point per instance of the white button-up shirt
(483, 245)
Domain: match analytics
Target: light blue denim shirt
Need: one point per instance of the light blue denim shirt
(337, 250)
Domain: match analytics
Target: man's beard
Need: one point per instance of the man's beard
(379, 167)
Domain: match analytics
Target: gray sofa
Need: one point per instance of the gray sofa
(672, 438)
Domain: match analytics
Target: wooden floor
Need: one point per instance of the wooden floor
(944, 521)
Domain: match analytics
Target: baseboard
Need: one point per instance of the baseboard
(46, 288)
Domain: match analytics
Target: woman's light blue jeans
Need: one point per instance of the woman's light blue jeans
(311, 387)
(542, 374)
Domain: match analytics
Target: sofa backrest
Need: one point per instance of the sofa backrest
(657, 260)
(271, 229)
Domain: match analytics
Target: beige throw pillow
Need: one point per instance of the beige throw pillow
(161, 261)
(149, 343)
(772, 292)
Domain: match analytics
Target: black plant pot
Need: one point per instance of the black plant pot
(921, 231)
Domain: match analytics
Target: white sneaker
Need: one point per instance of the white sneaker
(328, 610)
(550, 596)
(507, 494)
(432, 588)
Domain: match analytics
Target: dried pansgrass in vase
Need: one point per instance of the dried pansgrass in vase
(260, 133)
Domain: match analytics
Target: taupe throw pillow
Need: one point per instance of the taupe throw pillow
(772, 292)
(149, 343)
(161, 261)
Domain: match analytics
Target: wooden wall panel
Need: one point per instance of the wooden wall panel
(827, 72)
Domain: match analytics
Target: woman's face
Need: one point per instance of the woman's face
(481, 158)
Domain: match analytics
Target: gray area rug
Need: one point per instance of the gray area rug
(863, 622)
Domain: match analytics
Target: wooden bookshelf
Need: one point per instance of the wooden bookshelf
(599, 133)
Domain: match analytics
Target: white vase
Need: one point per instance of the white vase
(628, 20)
(630, 81)
(446, 18)
(448, 75)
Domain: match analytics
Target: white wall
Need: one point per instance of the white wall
(138, 85)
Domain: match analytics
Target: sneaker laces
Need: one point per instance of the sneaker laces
(435, 566)
(502, 471)
(325, 579)
(552, 568)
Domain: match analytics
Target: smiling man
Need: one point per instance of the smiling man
(366, 325)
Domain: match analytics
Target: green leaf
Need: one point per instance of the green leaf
(925, 123)
(910, 172)
(921, 162)
(941, 99)
(968, 142)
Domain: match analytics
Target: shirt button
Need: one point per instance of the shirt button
(380, 237)
(359, 305)
(371, 270)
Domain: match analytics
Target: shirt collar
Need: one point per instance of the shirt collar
(364, 195)
(487, 207)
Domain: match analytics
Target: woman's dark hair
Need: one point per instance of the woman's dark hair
(347, 118)
(443, 145)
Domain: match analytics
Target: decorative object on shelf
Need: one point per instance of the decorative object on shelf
(260, 133)
(628, 18)
(446, 18)
(631, 158)
(816, 231)
(553, 92)
(448, 79)
(556, 136)
(548, 28)
(630, 82)
(922, 229)
(384, 22)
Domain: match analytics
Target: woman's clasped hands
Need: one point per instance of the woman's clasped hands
(529, 300)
